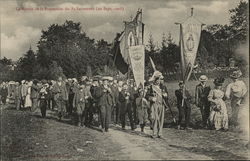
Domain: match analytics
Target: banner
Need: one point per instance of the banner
(118, 59)
(132, 35)
(137, 58)
(189, 42)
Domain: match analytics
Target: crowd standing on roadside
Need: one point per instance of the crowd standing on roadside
(106, 100)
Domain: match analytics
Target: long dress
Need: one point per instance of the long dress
(28, 102)
(218, 115)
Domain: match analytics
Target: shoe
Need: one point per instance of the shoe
(188, 128)
(179, 127)
(103, 130)
(153, 136)
(160, 137)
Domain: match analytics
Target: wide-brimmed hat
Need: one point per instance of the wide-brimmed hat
(219, 81)
(236, 74)
(156, 75)
(181, 82)
(203, 78)
(109, 78)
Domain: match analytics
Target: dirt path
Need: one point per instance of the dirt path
(27, 136)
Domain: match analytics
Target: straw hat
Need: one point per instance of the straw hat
(203, 78)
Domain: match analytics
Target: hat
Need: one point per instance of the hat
(110, 78)
(219, 81)
(155, 76)
(203, 78)
(105, 78)
(44, 81)
(181, 82)
(84, 78)
(74, 79)
(236, 74)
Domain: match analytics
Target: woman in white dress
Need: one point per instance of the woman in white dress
(28, 102)
(218, 114)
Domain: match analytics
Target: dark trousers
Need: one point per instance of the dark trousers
(117, 113)
(70, 103)
(184, 112)
(23, 101)
(43, 107)
(18, 103)
(89, 113)
(105, 114)
(205, 111)
(4, 97)
(127, 109)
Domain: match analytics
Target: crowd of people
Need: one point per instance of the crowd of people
(114, 100)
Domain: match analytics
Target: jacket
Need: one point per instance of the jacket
(60, 92)
(201, 94)
(34, 91)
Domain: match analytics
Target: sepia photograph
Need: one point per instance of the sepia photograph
(124, 80)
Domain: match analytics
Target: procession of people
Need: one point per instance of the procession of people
(112, 101)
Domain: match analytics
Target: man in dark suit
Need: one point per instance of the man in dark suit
(61, 96)
(201, 93)
(183, 107)
(126, 98)
(105, 104)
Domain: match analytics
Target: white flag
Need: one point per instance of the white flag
(137, 58)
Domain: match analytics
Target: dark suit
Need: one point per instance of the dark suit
(115, 95)
(105, 104)
(201, 100)
(185, 110)
(126, 107)
(79, 103)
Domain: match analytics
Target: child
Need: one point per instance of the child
(142, 108)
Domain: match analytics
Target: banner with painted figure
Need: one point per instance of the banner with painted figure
(137, 58)
(189, 42)
(132, 35)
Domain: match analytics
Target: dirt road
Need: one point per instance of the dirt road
(27, 136)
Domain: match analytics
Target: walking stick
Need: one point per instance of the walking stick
(170, 110)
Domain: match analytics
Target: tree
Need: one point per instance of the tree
(26, 64)
(170, 54)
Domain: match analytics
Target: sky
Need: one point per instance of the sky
(22, 28)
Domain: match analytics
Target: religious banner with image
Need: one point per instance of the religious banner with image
(189, 39)
(137, 58)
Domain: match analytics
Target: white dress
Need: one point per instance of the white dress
(28, 102)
